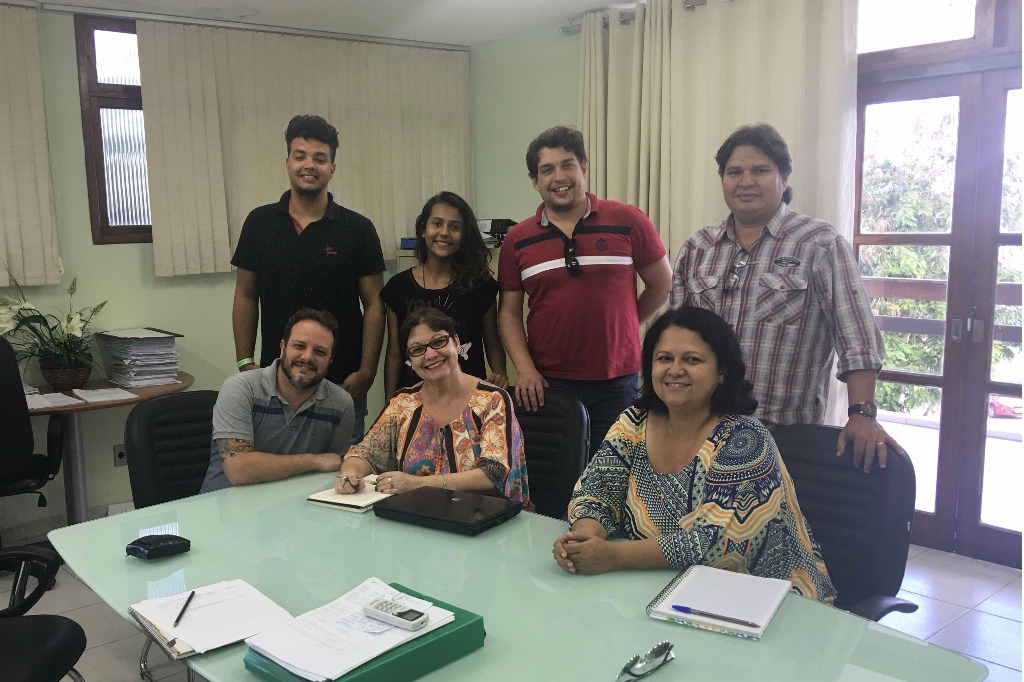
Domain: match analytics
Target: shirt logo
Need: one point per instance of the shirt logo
(601, 245)
(330, 250)
(786, 262)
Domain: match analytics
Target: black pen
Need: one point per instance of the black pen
(183, 607)
(715, 616)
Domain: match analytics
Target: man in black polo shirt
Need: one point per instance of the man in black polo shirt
(307, 251)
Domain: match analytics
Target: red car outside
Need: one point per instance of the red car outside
(1005, 406)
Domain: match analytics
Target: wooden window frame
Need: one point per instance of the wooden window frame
(96, 96)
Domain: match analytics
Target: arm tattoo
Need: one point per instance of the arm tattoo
(229, 447)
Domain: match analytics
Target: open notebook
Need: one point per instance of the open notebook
(719, 600)
(357, 502)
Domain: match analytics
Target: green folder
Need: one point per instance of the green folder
(404, 663)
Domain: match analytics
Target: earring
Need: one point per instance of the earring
(408, 363)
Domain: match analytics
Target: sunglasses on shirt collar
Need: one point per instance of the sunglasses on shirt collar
(572, 264)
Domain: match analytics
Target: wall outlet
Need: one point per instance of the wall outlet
(120, 458)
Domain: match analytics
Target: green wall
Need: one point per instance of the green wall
(520, 86)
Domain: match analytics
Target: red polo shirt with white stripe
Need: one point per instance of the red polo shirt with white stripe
(582, 328)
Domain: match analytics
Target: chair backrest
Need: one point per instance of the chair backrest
(167, 441)
(18, 442)
(862, 521)
(556, 444)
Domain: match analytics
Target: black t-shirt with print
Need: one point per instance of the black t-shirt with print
(402, 294)
(319, 268)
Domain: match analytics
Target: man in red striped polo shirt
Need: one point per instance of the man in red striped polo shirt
(577, 259)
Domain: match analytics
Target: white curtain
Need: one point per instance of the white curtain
(402, 114)
(680, 81)
(593, 96)
(28, 226)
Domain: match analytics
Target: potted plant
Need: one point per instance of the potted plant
(62, 344)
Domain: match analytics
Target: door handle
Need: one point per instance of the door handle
(956, 331)
(978, 333)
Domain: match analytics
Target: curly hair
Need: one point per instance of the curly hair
(733, 394)
(768, 141)
(470, 266)
(311, 128)
(559, 137)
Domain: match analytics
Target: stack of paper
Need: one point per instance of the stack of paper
(103, 395)
(43, 401)
(139, 357)
(29, 390)
(218, 615)
(326, 643)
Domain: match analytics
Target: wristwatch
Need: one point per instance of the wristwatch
(868, 408)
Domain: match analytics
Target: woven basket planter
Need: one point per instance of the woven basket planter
(64, 379)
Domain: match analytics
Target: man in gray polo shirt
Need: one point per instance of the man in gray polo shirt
(285, 419)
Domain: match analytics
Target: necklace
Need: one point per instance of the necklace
(423, 275)
(440, 303)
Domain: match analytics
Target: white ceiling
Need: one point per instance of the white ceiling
(451, 22)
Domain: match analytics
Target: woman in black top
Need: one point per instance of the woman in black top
(453, 275)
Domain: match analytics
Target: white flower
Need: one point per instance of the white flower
(73, 325)
(7, 320)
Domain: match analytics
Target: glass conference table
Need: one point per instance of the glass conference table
(542, 623)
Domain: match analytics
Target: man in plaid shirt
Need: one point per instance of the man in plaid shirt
(788, 284)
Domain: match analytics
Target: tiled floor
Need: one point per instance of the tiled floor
(965, 605)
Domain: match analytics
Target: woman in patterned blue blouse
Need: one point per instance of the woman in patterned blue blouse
(686, 476)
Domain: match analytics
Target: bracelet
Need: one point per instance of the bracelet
(444, 481)
(243, 362)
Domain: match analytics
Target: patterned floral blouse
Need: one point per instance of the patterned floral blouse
(485, 436)
(732, 507)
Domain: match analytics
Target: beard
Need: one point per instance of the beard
(308, 192)
(296, 382)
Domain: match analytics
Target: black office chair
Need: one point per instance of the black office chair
(557, 444)
(36, 648)
(167, 441)
(21, 471)
(862, 521)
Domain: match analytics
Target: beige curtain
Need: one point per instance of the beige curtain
(680, 81)
(593, 95)
(183, 150)
(402, 114)
(28, 226)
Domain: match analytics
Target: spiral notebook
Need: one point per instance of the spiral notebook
(722, 601)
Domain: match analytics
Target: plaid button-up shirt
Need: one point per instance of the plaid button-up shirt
(799, 300)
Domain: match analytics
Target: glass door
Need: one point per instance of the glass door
(932, 244)
(989, 520)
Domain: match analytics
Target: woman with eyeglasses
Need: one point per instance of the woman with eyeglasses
(686, 476)
(453, 275)
(451, 431)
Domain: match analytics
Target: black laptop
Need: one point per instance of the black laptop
(455, 511)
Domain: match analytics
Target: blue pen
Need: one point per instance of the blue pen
(715, 616)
